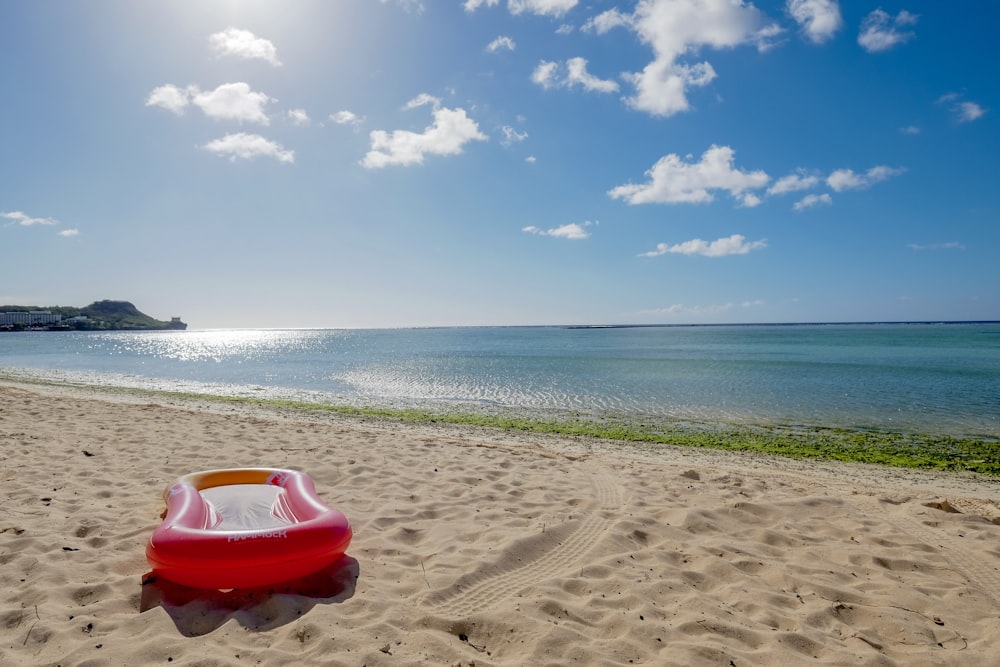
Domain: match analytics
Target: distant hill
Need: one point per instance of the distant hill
(102, 315)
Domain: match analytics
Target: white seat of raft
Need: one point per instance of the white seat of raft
(247, 507)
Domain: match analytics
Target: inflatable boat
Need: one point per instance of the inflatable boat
(243, 528)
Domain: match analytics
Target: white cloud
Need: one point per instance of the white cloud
(171, 98)
(415, 6)
(345, 117)
(451, 130)
(243, 44)
(25, 220)
(578, 74)
(233, 101)
(511, 136)
(676, 28)
(969, 111)
(681, 309)
(910, 129)
(606, 21)
(531, 159)
(661, 89)
(847, 179)
(423, 99)
(674, 181)
(881, 172)
(819, 19)
(965, 112)
(298, 116)
(810, 201)
(245, 146)
(950, 245)
(881, 32)
(541, 7)
(544, 74)
(473, 5)
(501, 43)
(793, 183)
(230, 101)
(547, 75)
(571, 231)
(731, 245)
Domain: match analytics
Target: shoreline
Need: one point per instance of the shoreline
(851, 444)
(477, 545)
(567, 444)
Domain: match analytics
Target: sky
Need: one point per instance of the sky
(396, 163)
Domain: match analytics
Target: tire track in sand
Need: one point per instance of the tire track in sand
(983, 578)
(549, 553)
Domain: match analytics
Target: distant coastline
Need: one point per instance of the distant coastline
(778, 324)
(104, 315)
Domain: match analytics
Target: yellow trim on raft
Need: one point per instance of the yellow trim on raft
(212, 478)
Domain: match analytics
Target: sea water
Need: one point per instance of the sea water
(940, 379)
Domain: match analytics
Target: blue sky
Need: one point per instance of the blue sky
(367, 163)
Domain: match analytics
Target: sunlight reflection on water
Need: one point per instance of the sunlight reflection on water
(216, 345)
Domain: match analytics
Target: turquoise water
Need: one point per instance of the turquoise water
(933, 378)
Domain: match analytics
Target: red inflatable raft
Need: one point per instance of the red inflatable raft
(243, 528)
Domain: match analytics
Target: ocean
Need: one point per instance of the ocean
(931, 378)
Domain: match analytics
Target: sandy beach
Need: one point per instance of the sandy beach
(482, 547)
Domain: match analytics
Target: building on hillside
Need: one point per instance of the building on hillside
(30, 318)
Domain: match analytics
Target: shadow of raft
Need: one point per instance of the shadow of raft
(197, 611)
